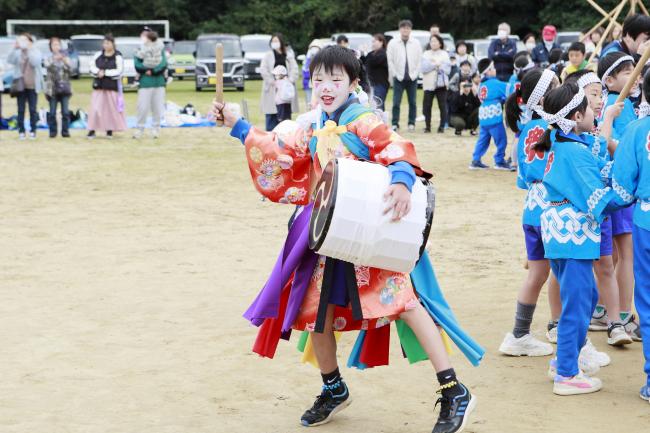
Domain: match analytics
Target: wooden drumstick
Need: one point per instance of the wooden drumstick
(218, 72)
(635, 74)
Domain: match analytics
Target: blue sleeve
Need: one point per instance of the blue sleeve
(240, 130)
(503, 89)
(401, 172)
(625, 174)
(491, 50)
(521, 163)
(625, 118)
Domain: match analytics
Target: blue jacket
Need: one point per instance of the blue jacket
(631, 172)
(625, 118)
(492, 94)
(35, 59)
(540, 53)
(613, 47)
(503, 56)
(530, 173)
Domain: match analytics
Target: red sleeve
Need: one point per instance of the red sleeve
(385, 145)
(280, 165)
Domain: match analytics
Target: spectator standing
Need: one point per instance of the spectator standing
(462, 55)
(434, 30)
(313, 49)
(27, 81)
(541, 52)
(404, 55)
(58, 88)
(284, 93)
(377, 67)
(530, 42)
(593, 39)
(107, 102)
(151, 63)
(464, 107)
(502, 52)
(279, 55)
(435, 80)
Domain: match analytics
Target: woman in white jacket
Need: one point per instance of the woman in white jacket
(435, 69)
(282, 55)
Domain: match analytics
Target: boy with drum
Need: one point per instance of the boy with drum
(285, 167)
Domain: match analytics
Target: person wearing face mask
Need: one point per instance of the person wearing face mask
(27, 81)
(634, 39)
(502, 52)
(314, 48)
(58, 89)
(279, 55)
(325, 292)
(377, 67)
(530, 42)
(541, 52)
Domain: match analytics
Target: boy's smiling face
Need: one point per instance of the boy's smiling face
(332, 88)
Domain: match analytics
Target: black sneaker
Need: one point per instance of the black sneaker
(109, 134)
(91, 135)
(459, 133)
(454, 412)
(427, 130)
(477, 165)
(65, 134)
(327, 405)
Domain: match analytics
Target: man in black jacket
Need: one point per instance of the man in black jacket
(464, 109)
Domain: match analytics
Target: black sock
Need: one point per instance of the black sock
(333, 381)
(523, 319)
(446, 378)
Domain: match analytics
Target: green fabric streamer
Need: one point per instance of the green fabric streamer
(410, 344)
(302, 342)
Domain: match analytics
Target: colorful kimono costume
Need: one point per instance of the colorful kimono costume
(285, 168)
(631, 183)
(622, 219)
(578, 199)
(492, 94)
(530, 166)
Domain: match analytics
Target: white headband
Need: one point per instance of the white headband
(530, 65)
(540, 89)
(559, 118)
(491, 66)
(614, 66)
(644, 110)
(588, 79)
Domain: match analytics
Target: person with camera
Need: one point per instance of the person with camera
(27, 81)
(58, 89)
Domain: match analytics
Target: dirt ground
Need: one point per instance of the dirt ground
(125, 268)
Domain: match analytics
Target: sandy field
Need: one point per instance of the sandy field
(125, 267)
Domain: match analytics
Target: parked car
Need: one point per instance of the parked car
(357, 41)
(6, 72)
(564, 39)
(424, 36)
(128, 47)
(233, 61)
(478, 47)
(182, 62)
(86, 46)
(254, 47)
(43, 46)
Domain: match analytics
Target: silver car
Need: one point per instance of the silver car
(233, 62)
(255, 47)
(86, 46)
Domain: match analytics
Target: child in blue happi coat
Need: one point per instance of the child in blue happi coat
(615, 70)
(578, 199)
(492, 94)
(631, 183)
(535, 84)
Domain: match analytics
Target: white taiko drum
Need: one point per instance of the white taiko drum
(347, 221)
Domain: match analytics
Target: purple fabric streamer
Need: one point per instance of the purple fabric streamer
(294, 257)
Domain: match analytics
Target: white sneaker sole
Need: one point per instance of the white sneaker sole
(622, 340)
(501, 168)
(511, 351)
(550, 339)
(471, 167)
(570, 390)
(470, 408)
(336, 410)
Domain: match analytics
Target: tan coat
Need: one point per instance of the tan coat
(267, 103)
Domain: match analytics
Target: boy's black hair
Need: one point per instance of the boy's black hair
(607, 61)
(522, 53)
(554, 101)
(405, 23)
(333, 56)
(483, 64)
(577, 46)
(646, 85)
(341, 38)
(636, 24)
(521, 62)
(555, 55)
(575, 76)
(465, 62)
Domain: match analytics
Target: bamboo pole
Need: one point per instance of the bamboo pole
(599, 24)
(596, 6)
(643, 8)
(218, 72)
(599, 47)
(635, 74)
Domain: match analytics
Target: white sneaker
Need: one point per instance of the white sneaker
(526, 345)
(588, 366)
(592, 355)
(21, 136)
(578, 384)
(551, 332)
(617, 336)
(155, 132)
(138, 133)
(411, 127)
(598, 321)
(32, 136)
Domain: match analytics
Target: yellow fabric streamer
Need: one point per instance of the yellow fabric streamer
(329, 144)
(308, 356)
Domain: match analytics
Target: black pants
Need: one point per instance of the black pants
(284, 112)
(441, 95)
(29, 97)
(460, 122)
(65, 114)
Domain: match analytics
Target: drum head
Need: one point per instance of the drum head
(324, 201)
(431, 207)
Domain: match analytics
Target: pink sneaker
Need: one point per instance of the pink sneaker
(578, 384)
